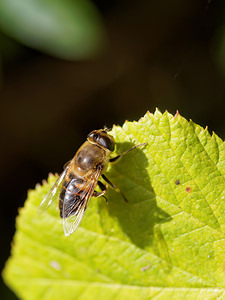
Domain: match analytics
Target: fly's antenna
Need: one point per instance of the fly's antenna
(106, 129)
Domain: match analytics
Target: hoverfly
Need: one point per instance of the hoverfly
(77, 183)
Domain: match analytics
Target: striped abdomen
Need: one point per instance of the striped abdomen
(72, 195)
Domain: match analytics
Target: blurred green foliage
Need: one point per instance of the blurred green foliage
(70, 29)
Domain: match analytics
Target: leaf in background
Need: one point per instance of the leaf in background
(69, 29)
(167, 242)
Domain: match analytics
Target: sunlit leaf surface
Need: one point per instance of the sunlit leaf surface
(167, 242)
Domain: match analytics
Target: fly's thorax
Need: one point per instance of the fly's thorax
(89, 156)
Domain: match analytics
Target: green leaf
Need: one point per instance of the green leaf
(69, 29)
(167, 242)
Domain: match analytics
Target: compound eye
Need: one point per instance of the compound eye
(102, 139)
(107, 142)
(95, 136)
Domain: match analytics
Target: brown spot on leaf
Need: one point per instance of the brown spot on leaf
(188, 189)
(177, 182)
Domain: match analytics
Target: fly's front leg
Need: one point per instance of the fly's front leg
(103, 188)
(125, 152)
(114, 187)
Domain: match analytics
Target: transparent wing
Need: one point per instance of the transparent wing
(73, 213)
(53, 193)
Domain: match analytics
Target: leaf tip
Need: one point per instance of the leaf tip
(37, 185)
(157, 111)
(142, 118)
(113, 127)
(176, 114)
(191, 122)
(44, 181)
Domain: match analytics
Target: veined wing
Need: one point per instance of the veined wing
(73, 212)
(53, 193)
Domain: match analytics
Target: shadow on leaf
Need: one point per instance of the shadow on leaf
(140, 218)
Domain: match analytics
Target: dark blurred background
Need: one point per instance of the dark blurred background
(130, 57)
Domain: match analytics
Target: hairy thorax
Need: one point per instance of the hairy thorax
(89, 156)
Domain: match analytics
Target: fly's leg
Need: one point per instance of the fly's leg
(103, 188)
(125, 152)
(114, 187)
